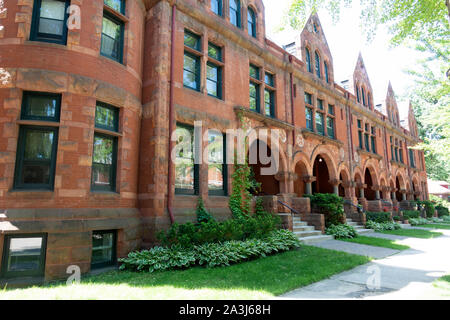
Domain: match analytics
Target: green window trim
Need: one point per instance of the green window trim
(216, 82)
(251, 20)
(269, 103)
(309, 119)
(317, 65)
(308, 60)
(6, 258)
(21, 162)
(330, 128)
(118, 56)
(112, 261)
(217, 7)
(269, 79)
(327, 77)
(28, 96)
(320, 127)
(118, 5)
(235, 13)
(195, 72)
(360, 139)
(112, 168)
(254, 72)
(37, 35)
(215, 52)
(224, 190)
(114, 114)
(255, 103)
(192, 40)
(196, 168)
(308, 98)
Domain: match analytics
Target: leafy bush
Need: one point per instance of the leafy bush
(397, 218)
(378, 216)
(418, 221)
(342, 231)
(190, 234)
(434, 220)
(382, 226)
(442, 206)
(202, 214)
(408, 214)
(442, 211)
(428, 206)
(331, 205)
(446, 218)
(210, 254)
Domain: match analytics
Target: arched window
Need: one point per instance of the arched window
(317, 57)
(363, 93)
(325, 66)
(369, 100)
(235, 13)
(251, 18)
(358, 97)
(308, 60)
(216, 7)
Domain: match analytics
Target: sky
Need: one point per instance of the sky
(346, 40)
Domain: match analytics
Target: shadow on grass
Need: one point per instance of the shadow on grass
(270, 276)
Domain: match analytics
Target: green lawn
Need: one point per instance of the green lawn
(378, 242)
(415, 233)
(442, 286)
(435, 226)
(259, 279)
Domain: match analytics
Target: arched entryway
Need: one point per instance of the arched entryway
(369, 193)
(358, 183)
(299, 185)
(322, 174)
(398, 194)
(269, 185)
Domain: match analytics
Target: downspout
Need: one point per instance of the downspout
(170, 181)
(291, 78)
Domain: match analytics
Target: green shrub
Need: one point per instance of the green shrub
(342, 231)
(210, 254)
(434, 220)
(446, 218)
(190, 234)
(428, 206)
(418, 221)
(378, 216)
(382, 226)
(442, 206)
(397, 218)
(442, 211)
(408, 214)
(202, 214)
(331, 205)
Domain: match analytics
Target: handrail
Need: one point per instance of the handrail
(360, 209)
(287, 206)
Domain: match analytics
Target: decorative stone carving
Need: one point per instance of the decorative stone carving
(300, 141)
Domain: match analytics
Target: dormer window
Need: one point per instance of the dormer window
(308, 60)
(317, 57)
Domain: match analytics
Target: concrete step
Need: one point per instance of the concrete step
(303, 228)
(302, 234)
(405, 225)
(351, 223)
(315, 239)
(349, 220)
(362, 231)
(299, 224)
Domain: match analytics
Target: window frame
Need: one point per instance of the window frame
(113, 261)
(308, 60)
(122, 6)
(116, 112)
(224, 191)
(196, 190)
(219, 7)
(25, 99)
(17, 274)
(218, 82)
(115, 19)
(197, 71)
(251, 14)
(237, 12)
(271, 102)
(317, 64)
(18, 172)
(35, 35)
(113, 173)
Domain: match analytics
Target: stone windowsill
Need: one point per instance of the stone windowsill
(398, 163)
(323, 139)
(369, 154)
(268, 121)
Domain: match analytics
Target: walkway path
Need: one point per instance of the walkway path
(405, 275)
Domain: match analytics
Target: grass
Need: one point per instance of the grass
(377, 242)
(264, 278)
(415, 233)
(435, 226)
(442, 287)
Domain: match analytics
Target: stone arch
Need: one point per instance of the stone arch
(344, 178)
(269, 184)
(323, 151)
(302, 169)
(416, 188)
(371, 165)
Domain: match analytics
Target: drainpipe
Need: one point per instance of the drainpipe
(170, 181)
(291, 77)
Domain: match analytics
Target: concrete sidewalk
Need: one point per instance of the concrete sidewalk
(356, 248)
(405, 275)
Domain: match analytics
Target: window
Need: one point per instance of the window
(269, 103)
(104, 162)
(373, 138)
(401, 152)
(331, 109)
(191, 71)
(363, 93)
(49, 21)
(319, 123)
(358, 98)
(118, 5)
(392, 148)
(186, 171)
(235, 13)
(112, 37)
(308, 60)
(268, 79)
(251, 18)
(366, 137)
(309, 119)
(412, 158)
(216, 7)
(254, 88)
(37, 145)
(103, 249)
(360, 134)
(330, 127)
(192, 41)
(317, 58)
(217, 168)
(308, 98)
(214, 52)
(369, 100)
(325, 67)
(214, 80)
(320, 104)
(24, 255)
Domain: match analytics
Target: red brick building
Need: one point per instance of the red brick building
(89, 99)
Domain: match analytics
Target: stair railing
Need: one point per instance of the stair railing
(292, 210)
(360, 209)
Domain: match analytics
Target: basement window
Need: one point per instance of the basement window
(104, 246)
(24, 256)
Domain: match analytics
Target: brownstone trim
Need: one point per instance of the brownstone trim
(261, 117)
